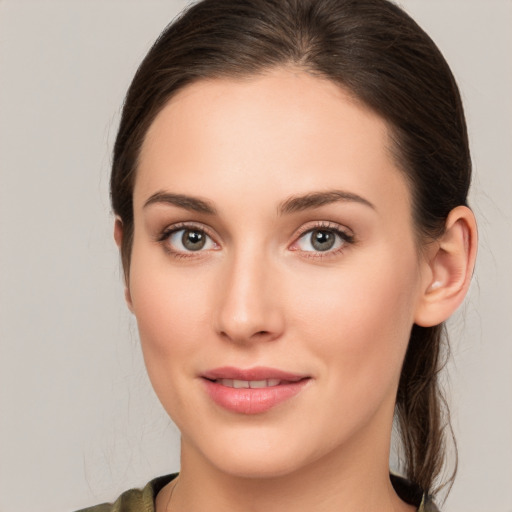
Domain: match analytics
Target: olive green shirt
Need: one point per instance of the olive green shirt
(143, 500)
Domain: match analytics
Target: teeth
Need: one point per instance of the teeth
(258, 384)
(245, 384)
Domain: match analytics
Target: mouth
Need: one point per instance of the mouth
(252, 391)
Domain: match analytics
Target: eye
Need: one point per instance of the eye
(323, 240)
(188, 240)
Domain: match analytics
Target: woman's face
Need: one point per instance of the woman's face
(274, 272)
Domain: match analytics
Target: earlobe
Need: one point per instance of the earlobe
(118, 237)
(451, 262)
(118, 231)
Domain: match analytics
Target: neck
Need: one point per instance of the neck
(330, 483)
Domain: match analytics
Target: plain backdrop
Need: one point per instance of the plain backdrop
(79, 422)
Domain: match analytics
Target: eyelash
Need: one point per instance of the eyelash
(163, 238)
(345, 238)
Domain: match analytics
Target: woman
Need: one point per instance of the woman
(290, 181)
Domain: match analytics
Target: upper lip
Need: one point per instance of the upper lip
(256, 373)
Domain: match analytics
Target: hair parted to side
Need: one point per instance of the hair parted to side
(382, 57)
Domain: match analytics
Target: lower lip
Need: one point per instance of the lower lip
(252, 401)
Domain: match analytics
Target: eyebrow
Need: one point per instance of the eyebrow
(317, 199)
(291, 205)
(182, 201)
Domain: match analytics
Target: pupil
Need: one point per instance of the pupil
(322, 240)
(193, 240)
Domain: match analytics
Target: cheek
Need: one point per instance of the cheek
(361, 324)
(170, 308)
(165, 317)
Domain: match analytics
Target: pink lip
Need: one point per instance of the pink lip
(252, 400)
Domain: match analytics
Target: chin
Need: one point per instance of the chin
(259, 466)
(259, 452)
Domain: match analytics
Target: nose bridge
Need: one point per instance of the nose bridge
(247, 308)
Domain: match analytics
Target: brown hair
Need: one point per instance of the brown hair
(377, 52)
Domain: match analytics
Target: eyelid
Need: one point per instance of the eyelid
(172, 228)
(327, 225)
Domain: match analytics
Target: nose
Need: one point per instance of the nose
(248, 306)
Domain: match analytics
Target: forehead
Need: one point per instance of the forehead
(276, 134)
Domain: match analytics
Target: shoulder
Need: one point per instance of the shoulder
(135, 500)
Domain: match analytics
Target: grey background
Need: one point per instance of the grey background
(78, 420)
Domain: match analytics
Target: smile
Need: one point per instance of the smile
(252, 391)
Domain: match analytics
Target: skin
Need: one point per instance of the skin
(259, 294)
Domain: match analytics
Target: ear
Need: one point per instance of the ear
(450, 262)
(118, 237)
